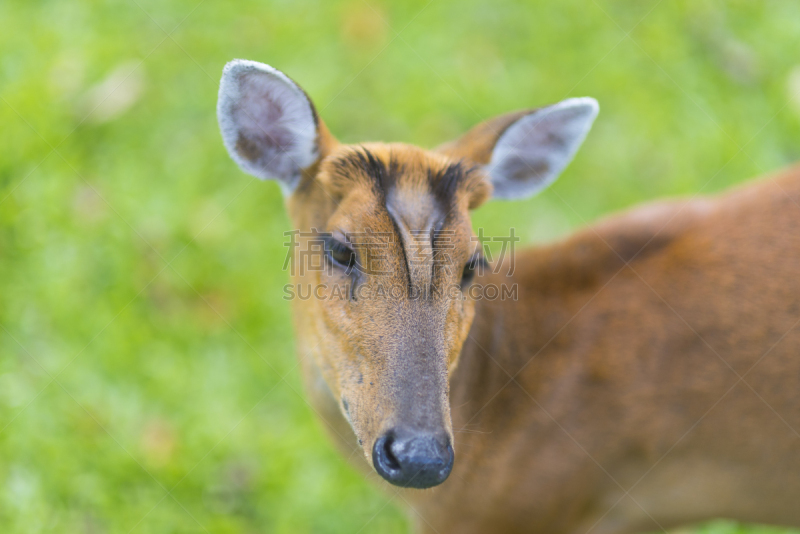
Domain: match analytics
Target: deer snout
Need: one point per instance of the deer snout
(413, 459)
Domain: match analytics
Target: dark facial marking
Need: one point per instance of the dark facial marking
(383, 175)
(444, 183)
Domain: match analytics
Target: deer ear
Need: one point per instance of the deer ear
(268, 124)
(524, 152)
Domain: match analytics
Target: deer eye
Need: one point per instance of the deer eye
(475, 264)
(340, 254)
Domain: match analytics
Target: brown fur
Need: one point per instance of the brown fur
(646, 377)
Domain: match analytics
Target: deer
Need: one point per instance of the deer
(643, 374)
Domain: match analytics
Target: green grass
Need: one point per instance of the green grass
(144, 339)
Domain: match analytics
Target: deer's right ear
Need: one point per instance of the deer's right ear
(268, 123)
(524, 152)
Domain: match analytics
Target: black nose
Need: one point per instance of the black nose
(413, 459)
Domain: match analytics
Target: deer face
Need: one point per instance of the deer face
(391, 303)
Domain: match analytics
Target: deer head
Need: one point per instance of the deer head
(391, 305)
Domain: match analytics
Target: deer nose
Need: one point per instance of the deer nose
(413, 459)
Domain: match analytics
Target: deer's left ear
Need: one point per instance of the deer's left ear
(268, 123)
(524, 152)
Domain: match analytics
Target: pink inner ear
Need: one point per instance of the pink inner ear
(263, 136)
(534, 150)
(262, 132)
(267, 122)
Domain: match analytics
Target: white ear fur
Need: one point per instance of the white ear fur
(533, 151)
(267, 122)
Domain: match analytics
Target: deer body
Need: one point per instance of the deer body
(645, 377)
(614, 385)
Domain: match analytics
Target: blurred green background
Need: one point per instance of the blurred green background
(147, 373)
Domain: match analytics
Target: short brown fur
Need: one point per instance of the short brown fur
(646, 377)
